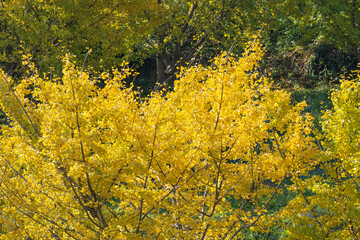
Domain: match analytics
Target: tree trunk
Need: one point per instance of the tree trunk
(160, 67)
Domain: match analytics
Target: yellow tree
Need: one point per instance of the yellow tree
(201, 162)
(331, 209)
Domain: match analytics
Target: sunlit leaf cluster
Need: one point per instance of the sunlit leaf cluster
(332, 209)
(80, 161)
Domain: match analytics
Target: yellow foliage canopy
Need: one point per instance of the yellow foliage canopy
(201, 162)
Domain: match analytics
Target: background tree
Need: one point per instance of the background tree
(341, 23)
(330, 201)
(49, 29)
(310, 42)
(316, 38)
(173, 33)
(201, 29)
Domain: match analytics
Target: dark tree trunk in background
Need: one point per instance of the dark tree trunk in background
(160, 61)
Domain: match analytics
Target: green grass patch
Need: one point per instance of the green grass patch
(317, 100)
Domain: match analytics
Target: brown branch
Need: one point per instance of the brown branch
(17, 172)
(260, 215)
(33, 9)
(185, 28)
(205, 231)
(29, 216)
(309, 204)
(105, 16)
(146, 179)
(21, 106)
(164, 197)
(85, 208)
(218, 114)
(278, 145)
(204, 206)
